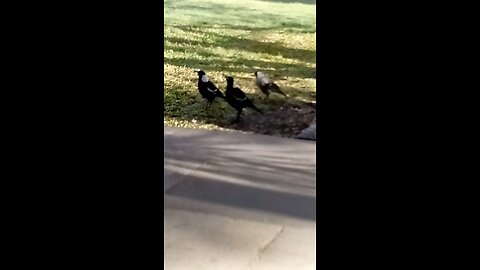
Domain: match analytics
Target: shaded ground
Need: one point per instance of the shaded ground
(288, 120)
(236, 38)
(238, 201)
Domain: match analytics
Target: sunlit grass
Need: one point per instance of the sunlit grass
(235, 38)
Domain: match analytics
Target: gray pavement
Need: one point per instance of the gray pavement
(238, 201)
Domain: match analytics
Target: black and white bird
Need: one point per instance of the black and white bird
(207, 89)
(266, 84)
(237, 98)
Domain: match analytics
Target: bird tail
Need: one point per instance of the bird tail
(275, 88)
(255, 108)
(219, 94)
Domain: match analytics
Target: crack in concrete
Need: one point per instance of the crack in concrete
(262, 249)
(266, 246)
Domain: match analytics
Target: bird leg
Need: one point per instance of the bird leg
(238, 116)
(207, 105)
(237, 119)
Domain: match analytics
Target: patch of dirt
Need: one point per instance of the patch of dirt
(288, 120)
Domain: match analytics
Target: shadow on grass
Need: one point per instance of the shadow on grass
(209, 63)
(245, 65)
(285, 117)
(243, 18)
(229, 42)
(289, 27)
(308, 2)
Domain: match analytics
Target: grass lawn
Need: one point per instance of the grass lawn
(236, 38)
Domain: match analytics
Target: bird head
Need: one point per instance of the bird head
(200, 72)
(229, 79)
(259, 74)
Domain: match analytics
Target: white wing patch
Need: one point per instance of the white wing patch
(205, 79)
(211, 90)
(240, 99)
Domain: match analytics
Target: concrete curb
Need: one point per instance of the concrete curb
(309, 133)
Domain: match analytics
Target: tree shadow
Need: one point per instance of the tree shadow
(308, 2)
(282, 117)
(242, 196)
(288, 27)
(243, 172)
(245, 65)
(230, 42)
(245, 18)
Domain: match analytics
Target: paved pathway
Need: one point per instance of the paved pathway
(238, 201)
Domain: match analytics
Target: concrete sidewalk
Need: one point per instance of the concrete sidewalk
(238, 201)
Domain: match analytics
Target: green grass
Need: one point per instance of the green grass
(235, 38)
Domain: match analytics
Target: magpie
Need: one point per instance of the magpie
(266, 84)
(207, 89)
(237, 99)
